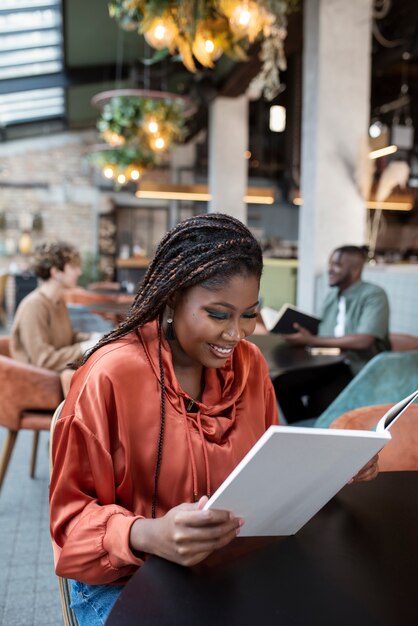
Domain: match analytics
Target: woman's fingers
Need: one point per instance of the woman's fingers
(186, 534)
(191, 552)
(196, 533)
(369, 471)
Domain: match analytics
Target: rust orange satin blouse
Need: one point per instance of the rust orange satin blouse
(105, 444)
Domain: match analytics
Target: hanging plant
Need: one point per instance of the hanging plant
(123, 164)
(145, 122)
(138, 127)
(204, 30)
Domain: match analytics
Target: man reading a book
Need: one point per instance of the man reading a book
(355, 314)
(354, 318)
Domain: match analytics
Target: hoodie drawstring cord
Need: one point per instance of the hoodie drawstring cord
(192, 455)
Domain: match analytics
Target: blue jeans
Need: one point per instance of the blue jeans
(93, 603)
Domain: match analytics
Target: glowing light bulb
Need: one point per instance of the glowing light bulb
(243, 17)
(153, 127)
(135, 175)
(209, 46)
(247, 20)
(108, 172)
(204, 49)
(161, 34)
(121, 179)
(160, 31)
(159, 143)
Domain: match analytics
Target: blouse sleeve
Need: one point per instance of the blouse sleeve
(90, 533)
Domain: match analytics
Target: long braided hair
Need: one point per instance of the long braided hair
(203, 250)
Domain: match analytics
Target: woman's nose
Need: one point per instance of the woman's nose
(234, 332)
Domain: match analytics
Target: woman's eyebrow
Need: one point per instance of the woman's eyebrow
(227, 305)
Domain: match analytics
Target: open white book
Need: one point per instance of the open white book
(390, 417)
(282, 321)
(292, 472)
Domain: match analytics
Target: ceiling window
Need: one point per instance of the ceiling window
(30, 47)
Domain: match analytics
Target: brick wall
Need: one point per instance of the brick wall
(49, 177)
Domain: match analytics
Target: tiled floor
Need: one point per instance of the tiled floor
(29, 593)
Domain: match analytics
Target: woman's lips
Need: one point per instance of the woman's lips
(221, 352)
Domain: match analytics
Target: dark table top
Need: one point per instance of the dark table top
(282, 357)
(354, 564)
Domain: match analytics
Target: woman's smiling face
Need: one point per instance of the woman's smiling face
(209, 323)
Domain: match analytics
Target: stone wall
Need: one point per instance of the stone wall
(47, 190)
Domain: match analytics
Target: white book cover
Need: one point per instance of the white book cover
(291, 473)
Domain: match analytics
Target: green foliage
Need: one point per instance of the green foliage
(125, 157)
(90, 268)
(191, 24)
(126, 116)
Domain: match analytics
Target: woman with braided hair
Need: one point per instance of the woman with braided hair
(160, 412)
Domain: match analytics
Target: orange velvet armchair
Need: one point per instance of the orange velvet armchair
(401, 453)
(28, 397)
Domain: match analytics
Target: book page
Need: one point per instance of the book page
(390, 417)
(291, 473)
(269, 316)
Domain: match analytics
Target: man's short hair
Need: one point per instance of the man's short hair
(360, 251)
(54, 254)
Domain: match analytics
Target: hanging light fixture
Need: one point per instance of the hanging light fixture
(203, 31)
(121, 165)
(138, 127)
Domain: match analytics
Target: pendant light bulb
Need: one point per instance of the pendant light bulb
(153, 126)
(247, 20)
(108, 172)
(160, 35)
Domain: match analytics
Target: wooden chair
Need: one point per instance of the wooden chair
(28, 397)
(401, 453)
(68, 614)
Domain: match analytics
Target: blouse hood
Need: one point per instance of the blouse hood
(223, 386)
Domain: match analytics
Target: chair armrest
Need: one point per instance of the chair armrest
(26, 387)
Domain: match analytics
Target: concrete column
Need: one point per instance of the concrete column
(228, 140)
(335, 115)
(182, 161)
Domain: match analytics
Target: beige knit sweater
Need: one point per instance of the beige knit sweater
(42, 333)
